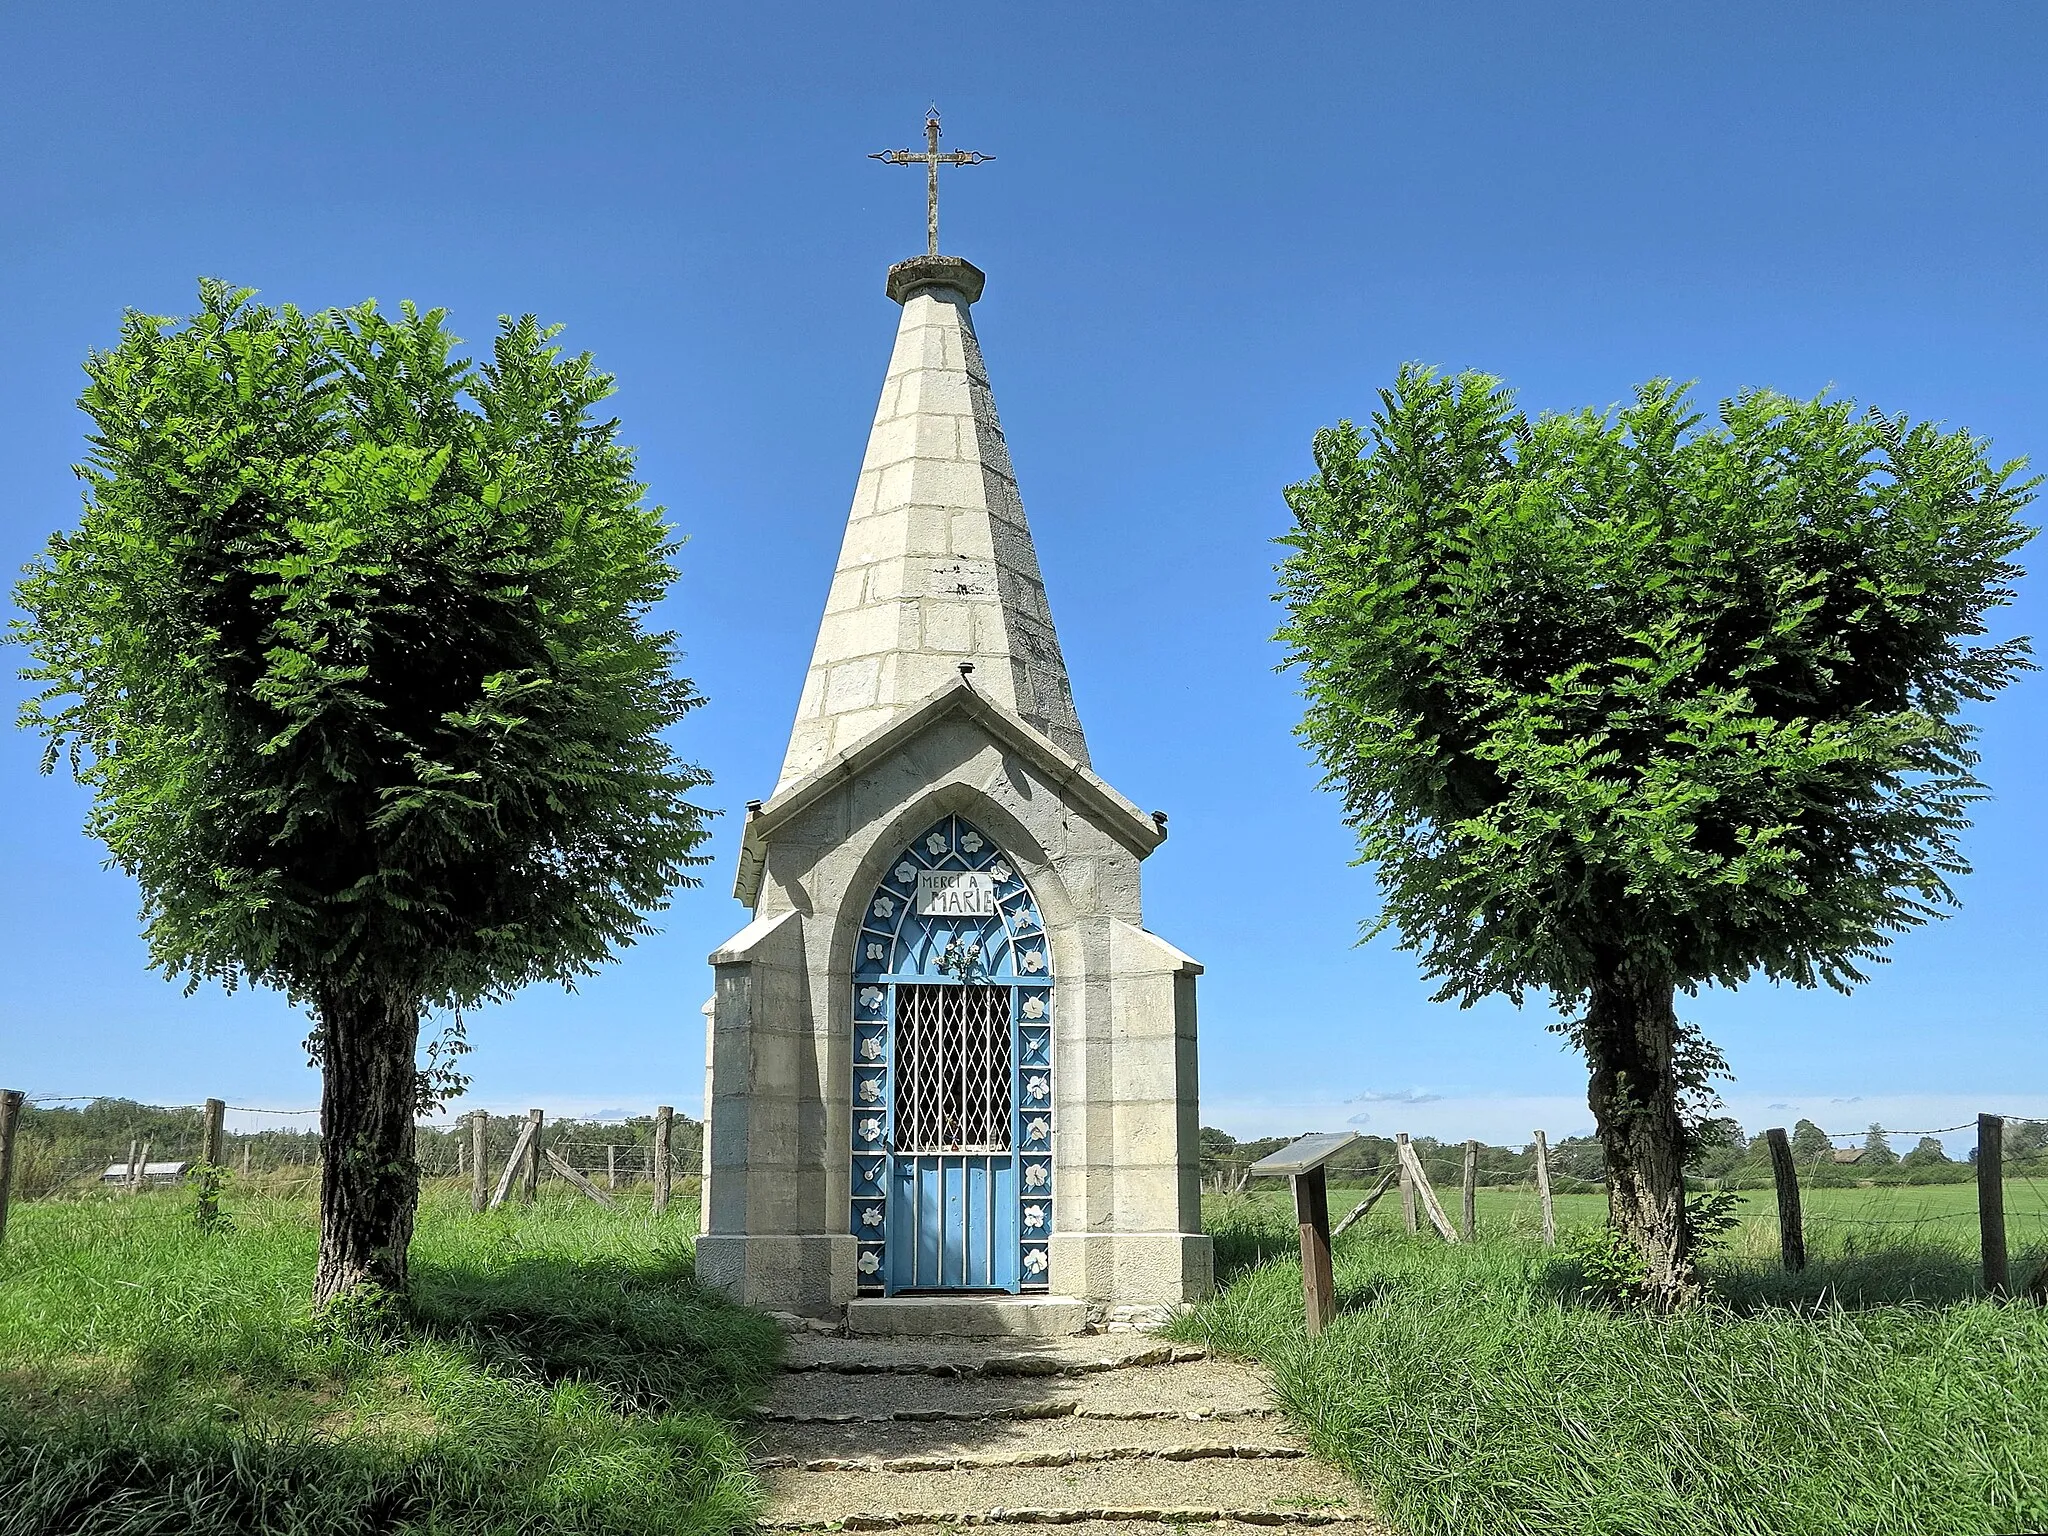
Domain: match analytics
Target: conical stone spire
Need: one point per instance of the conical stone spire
(937, 566)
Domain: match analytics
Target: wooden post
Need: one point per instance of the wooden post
(1543, 1190)
(1785, 1174)
(1991, 1200)
(574, 1175)
(479, 1160)
(1312, 1214)
(1407, 1180)
(1358, 1211)
(611, 1166)
(210, 1129)
(1437, 1219)
(245, 1162)
(1471, 1211)
(529, 1174)
(139, 1175)
(11, 1100)
(515, 1164)
(664, 1116)
(133, 1147)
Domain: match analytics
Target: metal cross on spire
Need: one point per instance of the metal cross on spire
(930, 158)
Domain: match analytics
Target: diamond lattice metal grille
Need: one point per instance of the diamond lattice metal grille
(952, 1069)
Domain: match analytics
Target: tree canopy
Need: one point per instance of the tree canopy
(1599, 680)
(347, 647)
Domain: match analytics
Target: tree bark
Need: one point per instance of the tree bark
(1631, 1041)
(369, 1183)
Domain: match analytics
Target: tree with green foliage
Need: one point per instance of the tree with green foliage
(1877, 1149)
(1810, 1143)
(1926, 1153)
(348, 647)
(1624, 705)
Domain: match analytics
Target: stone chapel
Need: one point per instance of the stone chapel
(950, 1077)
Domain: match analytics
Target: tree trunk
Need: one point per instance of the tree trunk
(1631, 1040)
(369, 1183)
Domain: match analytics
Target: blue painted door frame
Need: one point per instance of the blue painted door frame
(932, 1216)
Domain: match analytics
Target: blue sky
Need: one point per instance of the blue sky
(1208, 230)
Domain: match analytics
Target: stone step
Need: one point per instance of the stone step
(959, 1357)
(1252, 1491)
(1205, 1389)
(983, 1317)
(1012, 1442)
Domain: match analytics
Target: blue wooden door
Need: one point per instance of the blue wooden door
(953, 1210)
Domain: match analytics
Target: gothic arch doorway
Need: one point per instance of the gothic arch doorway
(952, 1072)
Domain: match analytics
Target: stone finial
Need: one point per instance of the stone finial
(921, 272)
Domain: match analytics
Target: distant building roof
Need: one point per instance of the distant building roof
(1848, 1154)
(117, 1173)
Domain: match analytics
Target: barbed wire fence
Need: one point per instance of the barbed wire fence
(2005, 1186)
(109, 1145)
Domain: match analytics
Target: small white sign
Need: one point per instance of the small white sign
(956, 893)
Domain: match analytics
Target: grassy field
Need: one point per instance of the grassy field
(1475, 1390)
(561, 1373)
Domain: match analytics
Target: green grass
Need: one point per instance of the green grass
(560, 1372)
(1472, 1391)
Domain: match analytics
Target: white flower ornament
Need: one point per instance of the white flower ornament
(1036, 1129)
(871, 1217)
(1034, 1007)
(1035, 1176)
(1034, 1261)
(906, 872)
(935, 844)
(870, 1091)
(1031, 960)
(1001, 871)
(876, 950)
(871, 1049)
(871, 997)
(971, 843)
(1036, 1088)
(869, 1263)
(871, 1129)
(884, 907)
(1034, 1216)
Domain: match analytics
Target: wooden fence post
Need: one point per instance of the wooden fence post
(1358, 1212)
(1785, 1174)
(479, 1159)
(245, 1162)
(515, 1163)
(664, 1117)
(1991, 1200)
(210, 1130)
(11, 1100)
(611, 1166)
(1421, 1183)
(1318, 1280)
(529, 1174)
(139, 1174)
(1471, 1211)
(133, 1147)
(1407, 1179)
(1543, 1190)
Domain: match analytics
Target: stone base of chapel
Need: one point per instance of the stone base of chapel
(811, 1273)
(1142, 1269)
